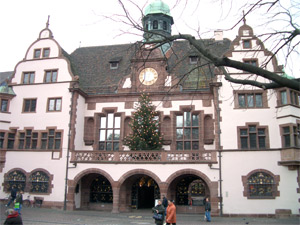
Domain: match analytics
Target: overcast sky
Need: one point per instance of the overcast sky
(81, 23)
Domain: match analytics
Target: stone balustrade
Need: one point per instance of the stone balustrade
(144, 157)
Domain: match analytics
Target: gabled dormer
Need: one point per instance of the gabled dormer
(45, 62)
(248, 48)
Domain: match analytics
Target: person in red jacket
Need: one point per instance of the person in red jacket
(13, 217)
(171, 213)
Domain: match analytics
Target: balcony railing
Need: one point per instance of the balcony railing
(144, 157)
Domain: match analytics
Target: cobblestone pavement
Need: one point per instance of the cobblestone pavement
(41, 216)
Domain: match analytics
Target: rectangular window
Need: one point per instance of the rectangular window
(50, 76)
(28, 78)
(194, 59)
(114, 65)
(2, 135)
(286, 137)
(246, 44)
(37, 53)
(250, 100)
(46, 52)
(253, 137)
(295, 96)
(291, 135)
(4, 105)
(11, 140)
(51, 140)
(252, 62)
(187, 131)
(29, 105)
(283, 98)
(109, 132)
(54, 104)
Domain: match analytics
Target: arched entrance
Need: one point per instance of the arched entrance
(144, 191)
(94, 192)
(188, 188)
(138, 190)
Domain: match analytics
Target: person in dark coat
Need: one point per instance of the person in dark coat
(207, 210)
(13, 217)
(159, 209)
(165, 203)
(13, 194)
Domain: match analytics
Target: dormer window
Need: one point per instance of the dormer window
(37, 53)
(194, 59)
(46, 52)
(246, 44)
(114, 63)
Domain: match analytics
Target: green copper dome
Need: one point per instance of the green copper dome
(157, 7)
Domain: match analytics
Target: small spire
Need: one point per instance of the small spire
(244, 17)
(47, 24)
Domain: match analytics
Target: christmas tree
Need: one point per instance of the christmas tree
(145, 127)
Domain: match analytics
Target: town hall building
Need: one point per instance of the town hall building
(64, 118)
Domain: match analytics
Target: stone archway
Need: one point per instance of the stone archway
(179, 185)
(130, 194)
(77, 187)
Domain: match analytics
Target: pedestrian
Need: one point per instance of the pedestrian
(159, 209)
(171, 213)
(165, 203)
(207, 209)
(12, 197)
(19, 201)
(13, 217)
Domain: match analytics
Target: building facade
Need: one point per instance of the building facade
(64, 118)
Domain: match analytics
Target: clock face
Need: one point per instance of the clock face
(148, 76)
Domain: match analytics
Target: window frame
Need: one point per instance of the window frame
(46, 50)
(257, 136)
(155, 25)
(275, 192)
(290, 97)
(293, 134)
(55, 109)
(4, 107)
(114, 65)
(35, 55)
(30, 110)
(264, 99)
(245, 46)
(31, 77)
(11, 140)
(193, 59)
(51, 80)
(28, 139)
(251, 61)
(185, 140)
(104, 129)
(49, 139)
(2, 139)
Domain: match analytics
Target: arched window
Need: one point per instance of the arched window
(15, 179)
(101, 190)
(260, 184)
(165, 25)
(39, 182)
(155, 24)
